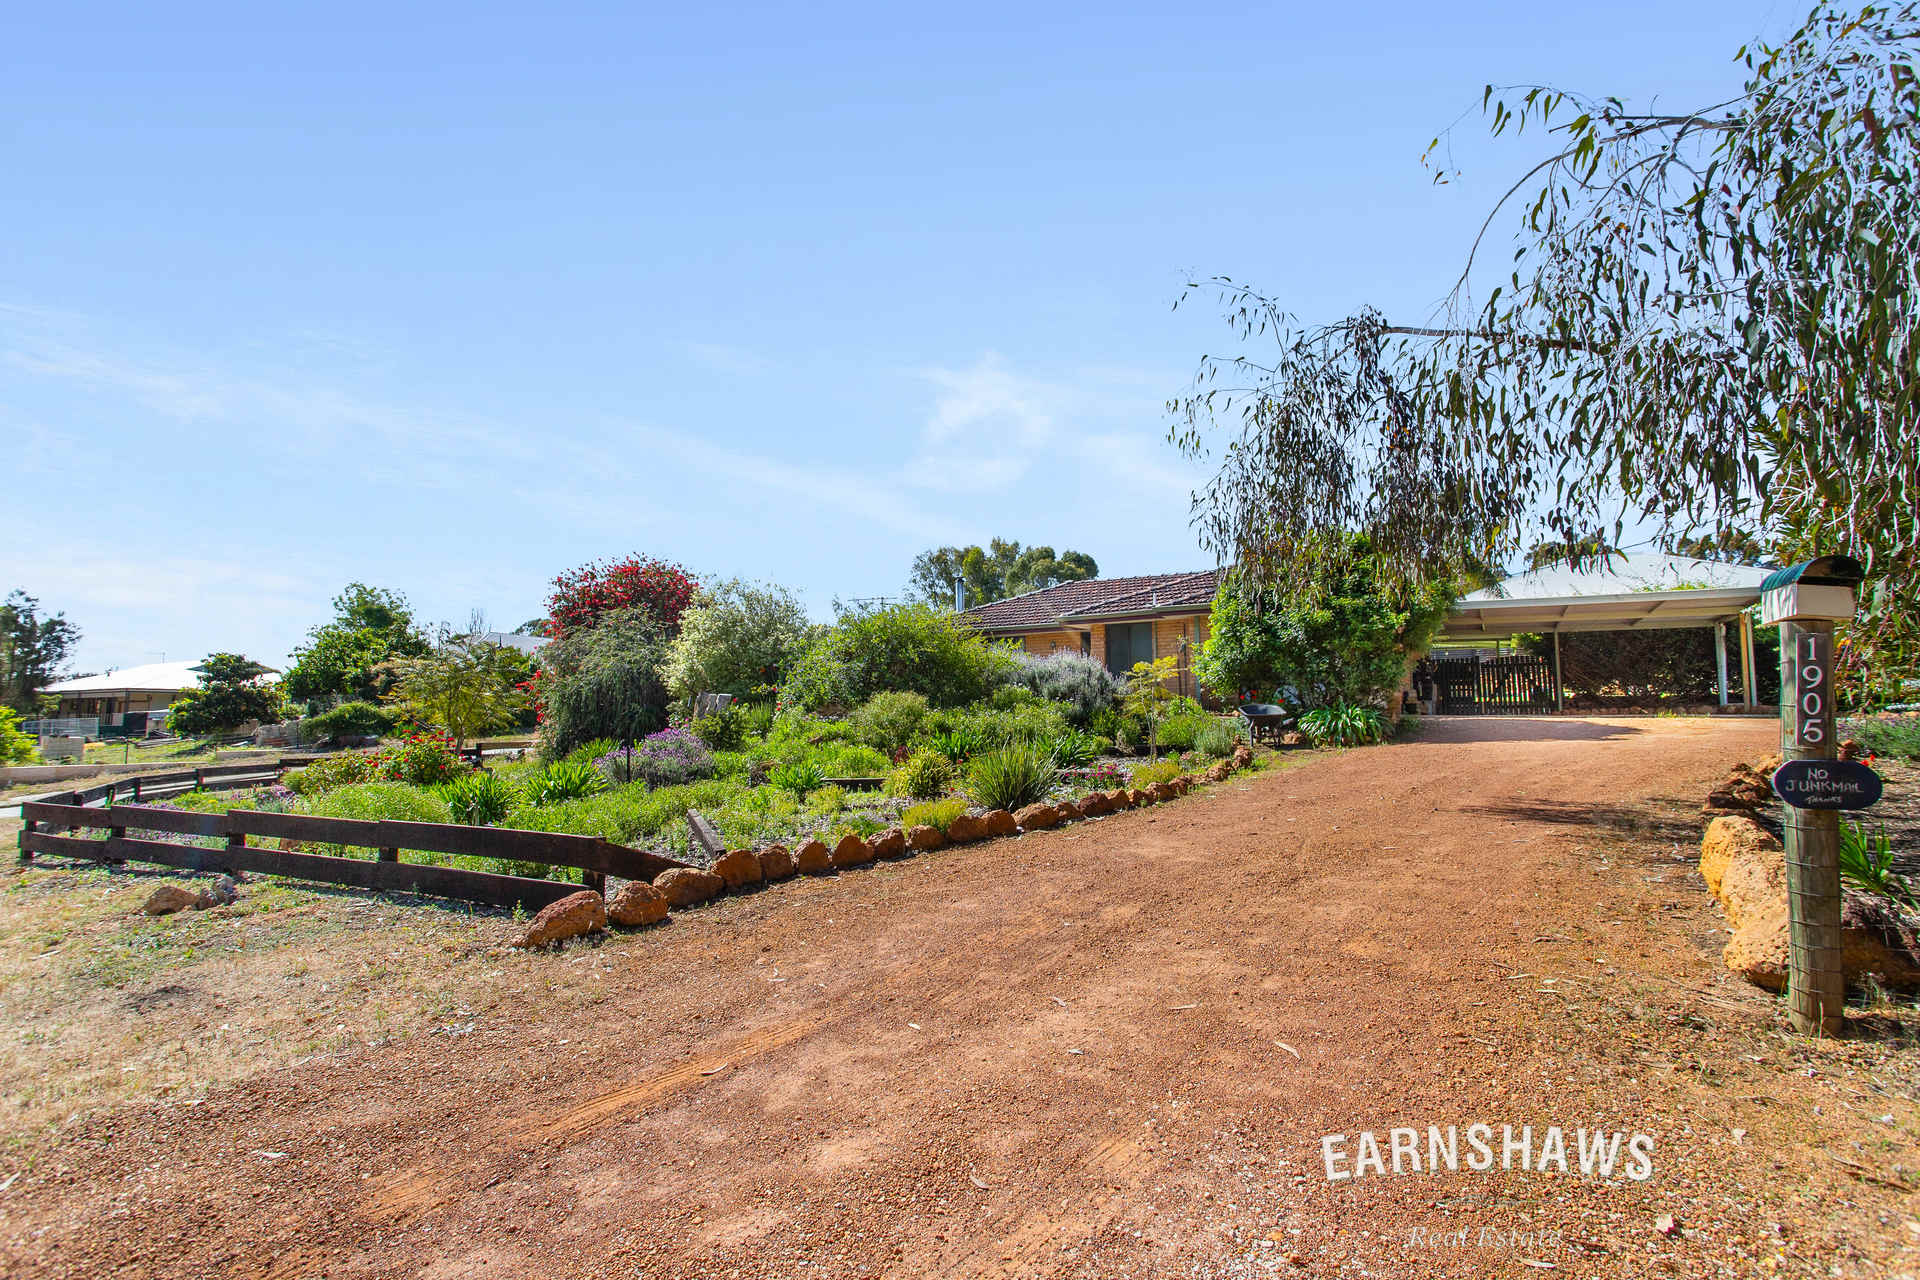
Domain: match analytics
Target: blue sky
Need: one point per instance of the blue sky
(450, 298)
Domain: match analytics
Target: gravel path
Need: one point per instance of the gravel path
(1107, 1051)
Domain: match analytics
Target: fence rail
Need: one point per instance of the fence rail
(596, 859)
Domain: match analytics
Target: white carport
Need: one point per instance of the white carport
(1634, 593)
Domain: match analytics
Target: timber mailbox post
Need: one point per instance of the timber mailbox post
(1805, 602)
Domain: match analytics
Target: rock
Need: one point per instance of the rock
(738, 867)
(1138, 798)
(965, 829)
(1293, 738)
(924, 839)
(1162, 792)
(1849, 749)
(1092, 805)
(222, 892)
(1665, 1224)
(1745, 870)
(890, 843)
(169, 898)
(688, 886)
(1119, 799)
(1182, 784)
(1000, 823)
(1743, 866)
(1220, 772)
(813, 859)
(852, 851)
(573, 915)
(775, 862)
(636, 904)
(1037, 817)
(1242, 755)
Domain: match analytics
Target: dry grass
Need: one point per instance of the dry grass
(101, 1005)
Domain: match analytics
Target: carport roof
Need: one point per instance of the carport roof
(1633, 593)
(1632, 611)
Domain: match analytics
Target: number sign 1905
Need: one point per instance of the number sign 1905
(1810, 711)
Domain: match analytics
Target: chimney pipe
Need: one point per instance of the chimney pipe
(959, 596)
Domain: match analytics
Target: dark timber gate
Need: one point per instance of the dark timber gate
(1515, 684)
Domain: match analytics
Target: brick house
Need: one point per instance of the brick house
(1119, 621)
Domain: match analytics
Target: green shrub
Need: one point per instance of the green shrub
(329, 772)
(724, 730)
(1897, 736)
(888, 721)
(1083, 686)
(1182, 730)
(480, 799)
(933, 813)
(923, 775)
(1011, 697)
(799, 777)
(1011, 777)
(1073, 749)
(1343, 725)
(631, 815)
(1147, 775)
(756, 719)
(957, 744)
(912, 647)
(1866, 861)
(1217, 740)
(735, 637)
(15, 746)
(563, 781)
(987, 727)
(349, 720)
(756, 816)
(827, 800)
(590, 752)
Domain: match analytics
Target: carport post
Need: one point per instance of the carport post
(1559, 685)
(1720, 658)
(1749, 694)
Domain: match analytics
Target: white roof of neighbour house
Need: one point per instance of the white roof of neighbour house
(1634, 592)
(154, 677)
(508, 640)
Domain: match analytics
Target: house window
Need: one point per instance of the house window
(1128, 643)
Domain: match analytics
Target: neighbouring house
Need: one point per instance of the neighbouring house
(1119, 621)
(528, 645)
(143, 693)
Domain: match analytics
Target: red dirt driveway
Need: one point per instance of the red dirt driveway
(1109, 1050)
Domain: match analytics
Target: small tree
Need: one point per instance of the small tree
(582, 597)
(603, 682)
(32, 649)
(343, 658)
(15, 746)
(230, 695)
(734, 638)
(1147, 692)
(465, 686)
(910, 646)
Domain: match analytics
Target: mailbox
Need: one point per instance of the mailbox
(1819, 590)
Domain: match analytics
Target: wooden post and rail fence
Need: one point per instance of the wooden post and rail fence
(53, 826)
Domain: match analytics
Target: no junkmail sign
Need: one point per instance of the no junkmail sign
(1826, 784)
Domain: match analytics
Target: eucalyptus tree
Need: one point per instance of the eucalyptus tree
(1708, 324)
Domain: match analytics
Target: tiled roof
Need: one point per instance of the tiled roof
(1096, 598)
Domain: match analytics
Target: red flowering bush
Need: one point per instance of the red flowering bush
(425, 759)
(582, 596)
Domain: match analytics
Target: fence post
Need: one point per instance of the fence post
(389, 855)
(136, 788)
(594, 880)
(27, 828)
(199, 780)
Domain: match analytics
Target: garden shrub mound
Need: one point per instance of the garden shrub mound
(638, 903)
(1745, 870)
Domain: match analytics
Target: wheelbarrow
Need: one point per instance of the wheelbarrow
(1266, 722)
